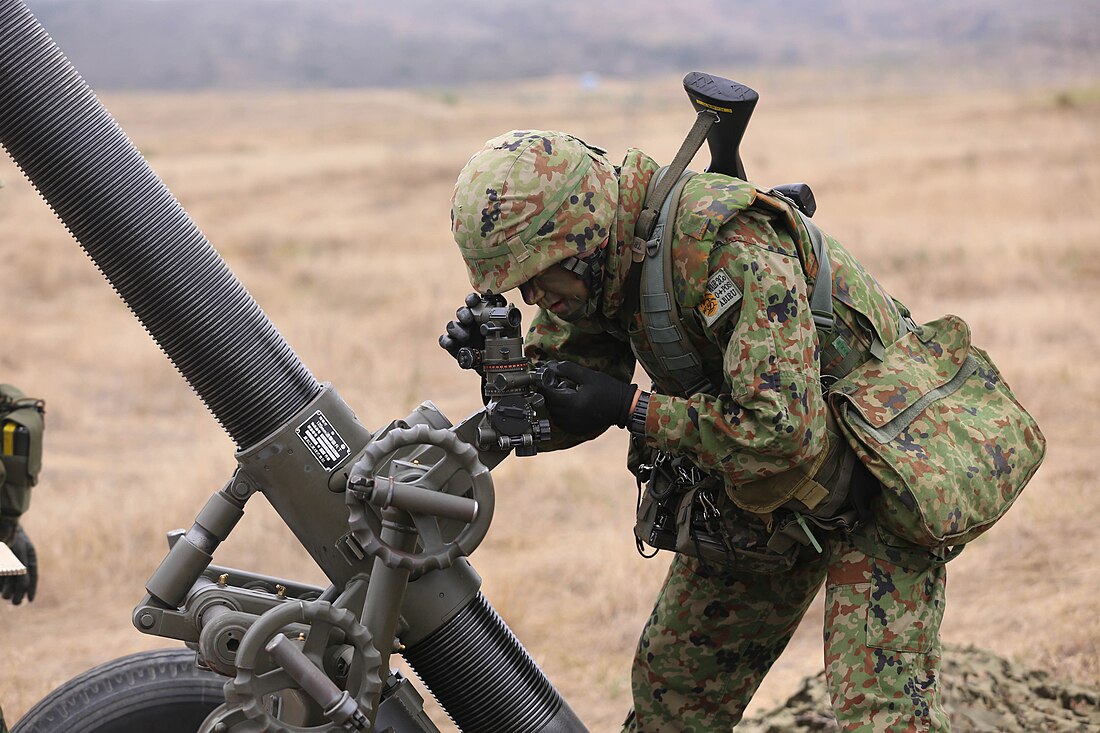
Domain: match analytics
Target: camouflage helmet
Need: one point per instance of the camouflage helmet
(528, 200)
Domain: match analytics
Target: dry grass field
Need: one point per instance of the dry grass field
(332, 208)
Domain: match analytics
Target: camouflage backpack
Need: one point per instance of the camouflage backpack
(931, 418)
(938, 426)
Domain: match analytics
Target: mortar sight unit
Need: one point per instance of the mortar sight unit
(515, 413)
(389, 515)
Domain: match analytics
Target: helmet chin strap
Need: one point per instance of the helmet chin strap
(590, 270)
(580, 268)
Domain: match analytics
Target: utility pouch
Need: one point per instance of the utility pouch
(939, 428)
(686, 510)
(21, 428)
(662, 479)
(710, 527)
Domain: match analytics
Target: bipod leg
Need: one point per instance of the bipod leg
(194, 550)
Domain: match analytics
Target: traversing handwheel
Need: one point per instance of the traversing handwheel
(249, 688)
(429, 493)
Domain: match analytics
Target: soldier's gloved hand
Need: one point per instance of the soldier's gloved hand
(15, 587)
(463, 332)
(582, 401)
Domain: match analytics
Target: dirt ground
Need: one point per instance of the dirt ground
(332, 208)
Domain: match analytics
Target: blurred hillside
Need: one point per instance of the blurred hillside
(296, 44)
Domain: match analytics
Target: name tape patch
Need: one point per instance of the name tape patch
(323, 441)
(722, 294)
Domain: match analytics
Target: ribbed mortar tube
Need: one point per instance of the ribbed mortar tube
(141, 239)
(484, 678)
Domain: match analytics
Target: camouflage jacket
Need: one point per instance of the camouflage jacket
(760, 344)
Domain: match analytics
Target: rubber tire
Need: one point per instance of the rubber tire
(159, 690)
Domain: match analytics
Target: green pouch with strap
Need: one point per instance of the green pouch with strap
(936, 424)
(21, 428)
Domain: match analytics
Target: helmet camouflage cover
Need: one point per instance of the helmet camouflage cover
(527, 200)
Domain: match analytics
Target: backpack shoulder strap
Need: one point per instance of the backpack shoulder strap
(660, 313)
(821, 297)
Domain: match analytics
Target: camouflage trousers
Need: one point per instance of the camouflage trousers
(712, 637)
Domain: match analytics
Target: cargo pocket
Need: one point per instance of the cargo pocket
(882, 650)
(904, 607)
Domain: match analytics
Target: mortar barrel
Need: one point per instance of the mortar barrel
(141, 239)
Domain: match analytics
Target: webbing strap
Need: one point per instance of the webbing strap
(659, 310)
(655, 196)
(643, 229)
(660, 314)
(849, 357)
(821, 298)
(821, 306)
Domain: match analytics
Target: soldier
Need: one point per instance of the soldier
(546, 213)
(13, 502)
(15, 486)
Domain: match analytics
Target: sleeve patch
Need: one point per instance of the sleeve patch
(722, 294)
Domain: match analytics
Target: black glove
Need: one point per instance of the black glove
(463, 332)
(582, 401)
(15, 587)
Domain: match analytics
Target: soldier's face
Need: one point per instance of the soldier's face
(557, 290)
